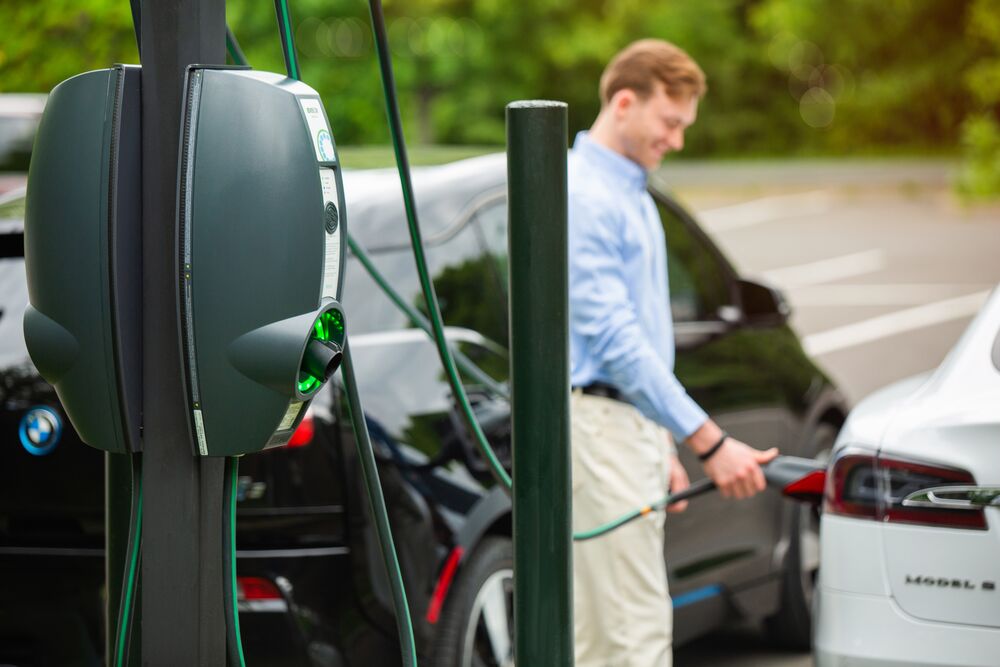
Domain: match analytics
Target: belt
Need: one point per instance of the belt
(601, 389)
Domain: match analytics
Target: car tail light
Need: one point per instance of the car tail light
(875, 487)
(256, 588)
(257, 594)
(852, 487)
(304, 433)
(901, 479)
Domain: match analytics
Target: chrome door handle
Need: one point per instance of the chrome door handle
(955, 497)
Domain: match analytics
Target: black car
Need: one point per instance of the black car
(312, 587)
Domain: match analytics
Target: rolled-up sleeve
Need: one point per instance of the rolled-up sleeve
(604, 321)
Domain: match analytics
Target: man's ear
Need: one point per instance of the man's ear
(622, 101)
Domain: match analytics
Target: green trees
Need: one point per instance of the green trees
(980, 174)
(786, 77)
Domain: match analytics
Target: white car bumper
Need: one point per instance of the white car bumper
(872, 631)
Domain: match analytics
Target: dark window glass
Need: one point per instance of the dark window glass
(491, 221)
(698, 286)
(367, 308)
(469, 285)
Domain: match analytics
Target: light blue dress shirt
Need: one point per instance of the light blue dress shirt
(621, 330)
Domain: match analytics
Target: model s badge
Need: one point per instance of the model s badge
(945, 582)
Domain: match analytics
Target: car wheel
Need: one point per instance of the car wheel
(477, 623)
(791, 626)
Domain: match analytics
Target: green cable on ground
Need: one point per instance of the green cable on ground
(135, 540)
(427, 286)
(376, 501)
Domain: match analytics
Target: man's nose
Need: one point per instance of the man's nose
(676, 140)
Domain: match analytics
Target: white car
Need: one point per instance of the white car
(910, 533)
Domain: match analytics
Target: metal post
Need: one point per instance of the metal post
(539, 338)
(183, 620)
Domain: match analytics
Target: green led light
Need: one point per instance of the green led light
(323, 328)
(308, 384)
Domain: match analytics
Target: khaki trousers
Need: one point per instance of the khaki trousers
(623, 616)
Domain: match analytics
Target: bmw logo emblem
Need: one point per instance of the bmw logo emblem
(40, 430)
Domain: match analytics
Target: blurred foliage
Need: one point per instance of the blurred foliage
(46, 42)
(979, 177)
(786, 77)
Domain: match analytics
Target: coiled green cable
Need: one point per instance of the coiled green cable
(427, 286)
(377, 504)
(408, 645)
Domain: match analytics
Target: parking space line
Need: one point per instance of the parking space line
(766, 209)
(893, 324)
(827, 270)
(813, 296)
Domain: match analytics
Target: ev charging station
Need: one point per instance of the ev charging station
(82, 327)
(184, 296)
(260, 202)
(261, 256)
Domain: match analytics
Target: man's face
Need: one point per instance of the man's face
(651, 128)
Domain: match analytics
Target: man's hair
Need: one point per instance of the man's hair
(640, 65)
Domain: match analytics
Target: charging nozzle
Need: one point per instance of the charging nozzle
(324, 351)
(797, 478)
(322, 359)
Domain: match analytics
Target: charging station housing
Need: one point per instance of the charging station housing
(82, 256)
(260, 220)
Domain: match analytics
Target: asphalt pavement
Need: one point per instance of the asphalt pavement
(882, 266)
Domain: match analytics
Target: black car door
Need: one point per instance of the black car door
(716, 544)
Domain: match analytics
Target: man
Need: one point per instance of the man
(626, 401)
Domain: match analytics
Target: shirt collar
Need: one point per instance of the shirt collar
(610, 162)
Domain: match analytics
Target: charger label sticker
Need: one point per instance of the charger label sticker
(319, 131)
(331, 221)
(199, 429)
(293, 411)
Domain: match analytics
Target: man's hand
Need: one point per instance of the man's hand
(735, 468)
(678, 482)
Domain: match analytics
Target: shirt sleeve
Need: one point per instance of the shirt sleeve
(604, 316)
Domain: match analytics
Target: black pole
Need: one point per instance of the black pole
(539, 343)
(182, 619)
